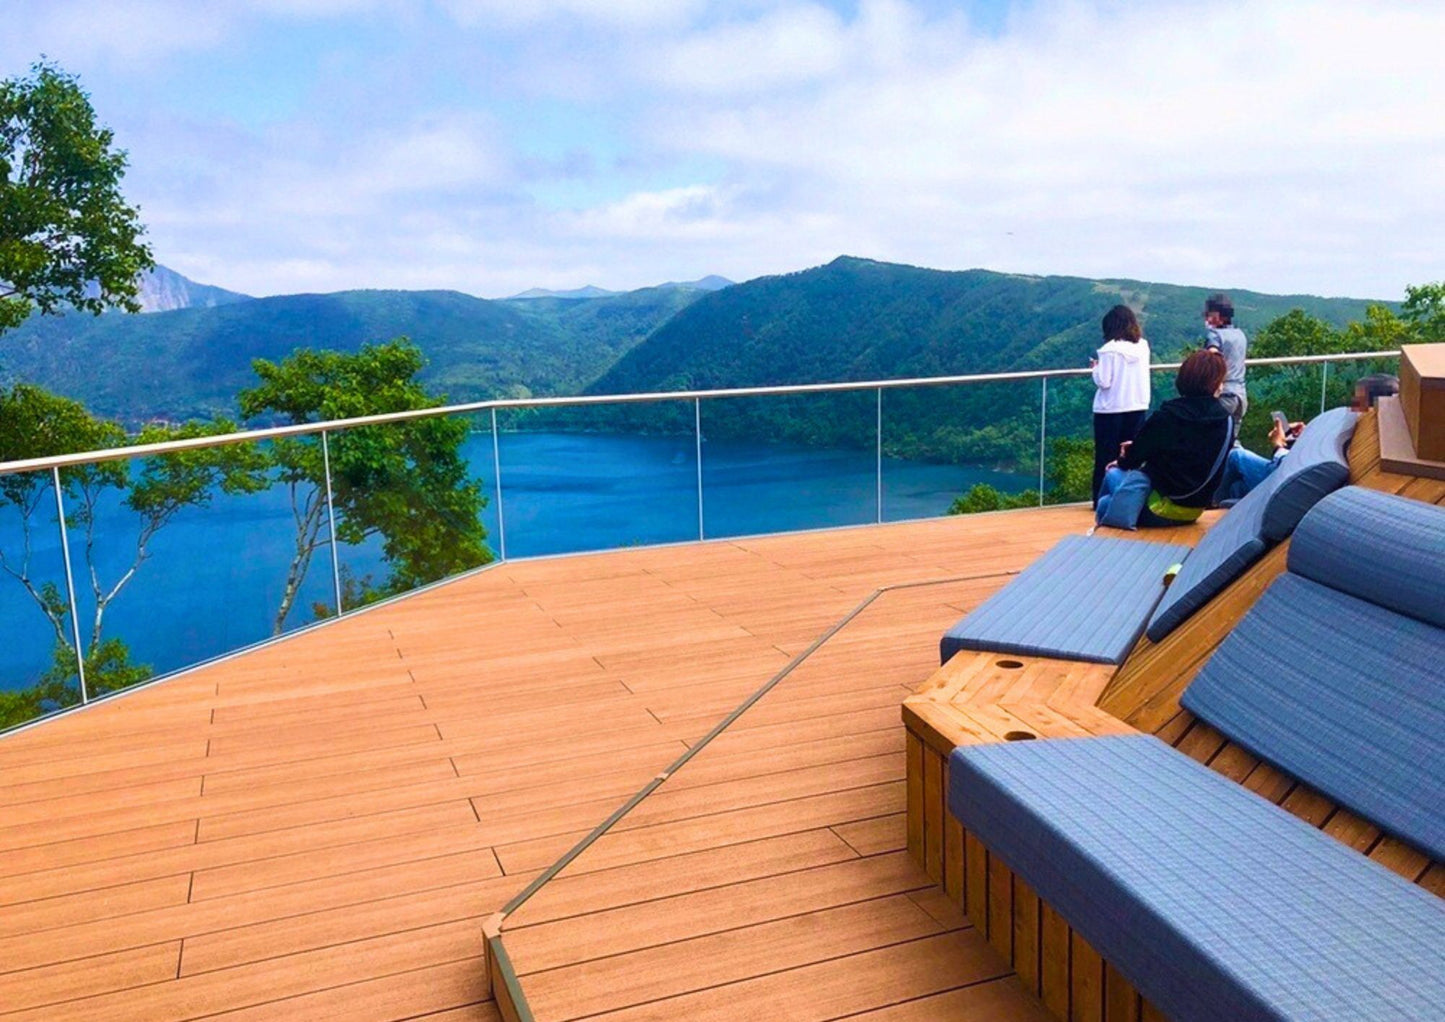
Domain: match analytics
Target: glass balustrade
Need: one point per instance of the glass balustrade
(778, 462)
(976, 443)
(181, 557)
(38, 674)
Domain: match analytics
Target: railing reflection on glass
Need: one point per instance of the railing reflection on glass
(404, 500)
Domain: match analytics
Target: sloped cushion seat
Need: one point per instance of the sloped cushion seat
(1382, 548)
(1317, 465)
(1214, 903)
(1086, 599)
(1344, 693)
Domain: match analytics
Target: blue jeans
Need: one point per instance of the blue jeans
(1243, 471)
(1124, 501)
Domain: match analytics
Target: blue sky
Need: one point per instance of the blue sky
(495, 145)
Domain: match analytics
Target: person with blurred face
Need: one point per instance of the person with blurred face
(1244, 470)
(1221, 335)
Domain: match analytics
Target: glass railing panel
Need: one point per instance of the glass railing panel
(1068, 448)
(960, 447)
(407, 503)
(782, 462)
(37, 660)
(1338, 380)
(596, 477)
(176, 559)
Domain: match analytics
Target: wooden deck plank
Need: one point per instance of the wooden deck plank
(335, 781)
(841, 987)
(686, 916)
(593, 987)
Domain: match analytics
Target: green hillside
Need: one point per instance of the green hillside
(191, 362)
(856, 319)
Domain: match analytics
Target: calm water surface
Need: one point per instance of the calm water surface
(214, 576)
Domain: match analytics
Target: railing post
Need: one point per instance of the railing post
(1043, 432)
(1324, 382)
(879, 451)
(331, 524)
(70, 585)
(697, 442)
(497, 471)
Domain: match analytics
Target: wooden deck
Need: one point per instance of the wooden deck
(316, 829)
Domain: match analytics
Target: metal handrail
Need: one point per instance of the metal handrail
(471, 407)
(53, 464)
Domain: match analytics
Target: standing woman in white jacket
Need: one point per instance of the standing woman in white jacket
(1121, 374)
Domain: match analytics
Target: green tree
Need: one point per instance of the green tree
(404, 482)
(35, 423)
(1425, 312)
(67, 236)
(1070, 474)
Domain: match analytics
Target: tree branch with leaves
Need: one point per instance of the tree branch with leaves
(68, 239)
(406, 483)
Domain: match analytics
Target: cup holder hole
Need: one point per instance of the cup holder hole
(1019, 736)
(1011, 665)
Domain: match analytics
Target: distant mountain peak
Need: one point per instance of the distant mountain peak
(712, 282)
(164, 290)
(590, 291)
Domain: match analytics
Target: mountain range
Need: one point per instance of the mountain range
(850, 319)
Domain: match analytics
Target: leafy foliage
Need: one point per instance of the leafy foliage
(405, 482)
(35, 423)
(858, 319)
(1069, 474)
(67, 236)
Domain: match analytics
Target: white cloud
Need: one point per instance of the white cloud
(128, 32)
(1265, 144)
(1275, 144)
(623, 13)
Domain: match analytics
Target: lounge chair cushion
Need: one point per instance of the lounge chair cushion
(1267, 514)
(1214, 903)
(1317, 465)
(1086, 599)
(1382, 548)
(1342, 694)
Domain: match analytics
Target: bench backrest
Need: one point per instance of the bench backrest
(1337, 674)
(1318, 465)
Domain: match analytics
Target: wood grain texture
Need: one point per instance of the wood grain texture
(316, 828)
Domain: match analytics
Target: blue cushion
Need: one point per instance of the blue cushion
(1267, 514)
(1213, 902)
(1382, 548)
(1086, 599)
(1317, 465)
(1342, 694)
(1230, 546)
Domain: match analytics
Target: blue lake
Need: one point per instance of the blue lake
(215, 575)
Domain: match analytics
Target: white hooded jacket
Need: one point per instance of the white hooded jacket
(1122, 376)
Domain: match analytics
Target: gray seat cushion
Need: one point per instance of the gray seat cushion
(1316, 466)
(1213, 902)
(1342, 694)
(1086, 599)
(1382, 548)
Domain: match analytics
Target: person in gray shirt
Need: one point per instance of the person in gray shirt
(1224, 337)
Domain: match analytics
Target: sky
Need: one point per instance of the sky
(490, 146)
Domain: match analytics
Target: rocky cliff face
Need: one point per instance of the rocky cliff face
(164, 290)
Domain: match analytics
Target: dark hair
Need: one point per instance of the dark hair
(1219, 302)
(1120, 324)
(1201, 374)
(1376, 386)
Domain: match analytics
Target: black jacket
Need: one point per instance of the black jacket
(1179, 445)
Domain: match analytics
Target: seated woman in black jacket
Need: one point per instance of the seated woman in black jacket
(1169, 473)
